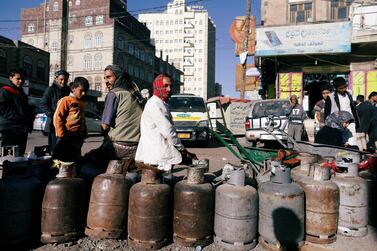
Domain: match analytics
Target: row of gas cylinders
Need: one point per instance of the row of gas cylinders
(150, 214)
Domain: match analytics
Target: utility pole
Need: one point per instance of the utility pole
(245, 48)
(64, 35)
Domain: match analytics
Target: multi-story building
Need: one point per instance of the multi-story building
(85, 36)
(19, 55)
(186, 34)
(306, 43)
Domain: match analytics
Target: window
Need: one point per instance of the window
(70, 60)
(87, 62)
(41, 70)
(99, 19)
(88, 20)
(3, 61)
(98, 39)
(340, 9)
(55, 6)
(120, 60)
(130, 69)
(131, 48)
(28, 66)
(88, 41)
(54, 46)
(30, 28)
(300, 13)
(120, 43)
(98, 83)
(98, 61)
(77, 2)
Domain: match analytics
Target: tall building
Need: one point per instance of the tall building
(85, 36)
(186, 36)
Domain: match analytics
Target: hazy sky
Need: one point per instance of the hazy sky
(222, 13)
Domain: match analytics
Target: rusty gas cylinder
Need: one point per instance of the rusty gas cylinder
(322, 206)
(107, 215)
(20, 203)
(353, 209)
(305, 168)
(236, 214)
(149, 212)
(194, 202)
(63, 216)
(281, 210)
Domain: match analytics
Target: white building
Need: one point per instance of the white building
(186, 36)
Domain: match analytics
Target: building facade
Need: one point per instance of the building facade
(186, 36)
(304, 44)
(19, 55)
(83, 36)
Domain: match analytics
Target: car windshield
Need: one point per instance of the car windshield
(186, 104)
(274, 107)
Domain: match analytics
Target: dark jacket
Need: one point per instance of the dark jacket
(15, 111)
(329, 136)
(364, 111)
(336, 98)
(50, 100)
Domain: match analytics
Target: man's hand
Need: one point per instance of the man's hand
(105, 129)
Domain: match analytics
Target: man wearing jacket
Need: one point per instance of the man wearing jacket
(341, 100)
(52, 95)
(16, 115)
(159, 144)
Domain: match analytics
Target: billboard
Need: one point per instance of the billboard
(304, 39)
(237, 33)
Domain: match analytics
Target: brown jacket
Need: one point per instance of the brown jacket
(69, 117)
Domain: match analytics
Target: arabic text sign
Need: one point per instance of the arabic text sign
(304, 39)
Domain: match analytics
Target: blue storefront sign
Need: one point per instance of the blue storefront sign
(304, 39)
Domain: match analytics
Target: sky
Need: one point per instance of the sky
(222, 13)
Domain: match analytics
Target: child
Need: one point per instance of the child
(69, 122)
(16, 116)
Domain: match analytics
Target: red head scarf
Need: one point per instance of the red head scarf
(159, 89)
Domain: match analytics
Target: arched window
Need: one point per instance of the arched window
(30, 27)
(98, 83)
(98, 61)
(87, 62)
(28, 66)
(41, 70)
(98, 37)
(88, 40)
(55, 6)
(3, 61)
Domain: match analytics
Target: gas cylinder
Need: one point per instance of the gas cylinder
(236, 214)
(281, 209)
(194, 203)
(322, 206)
(149, 212)
(371, 179)
(353, 210)
(304, 169)
(107, 215)
(20, 203)
(63, 207)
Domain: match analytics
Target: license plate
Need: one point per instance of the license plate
(184, 135)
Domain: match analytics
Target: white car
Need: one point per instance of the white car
(39, 121)
(266, 119)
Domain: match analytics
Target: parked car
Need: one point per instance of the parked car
(190, 117)
(93, 122)
(267, 117)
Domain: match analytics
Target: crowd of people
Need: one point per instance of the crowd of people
(134, 127)
(339, 120)
(139, 128)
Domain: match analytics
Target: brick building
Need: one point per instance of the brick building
(85, 36)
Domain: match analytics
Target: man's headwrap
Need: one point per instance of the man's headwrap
(159, 89)
(118, 72)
